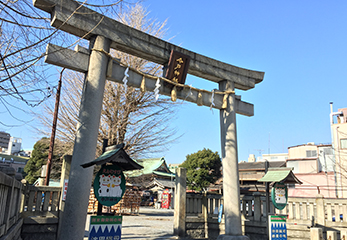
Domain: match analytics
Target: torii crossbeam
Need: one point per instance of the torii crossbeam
(105, 33)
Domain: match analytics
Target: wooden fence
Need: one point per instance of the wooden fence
(27, 211)
(303, 213)
(10, 207)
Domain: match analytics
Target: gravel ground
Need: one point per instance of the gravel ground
(150, 224)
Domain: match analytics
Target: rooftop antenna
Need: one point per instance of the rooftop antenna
(259, 150)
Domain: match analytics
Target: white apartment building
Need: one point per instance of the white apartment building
(14, 146)
(4, 140)
(338, 123)
(273, 157)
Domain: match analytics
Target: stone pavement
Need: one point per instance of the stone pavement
(150, 224)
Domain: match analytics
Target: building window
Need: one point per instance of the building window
(311, 153)
(343, 143)
(328, 151)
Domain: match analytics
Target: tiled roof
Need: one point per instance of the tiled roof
(259, 165)
(156, 166)
(116, 156)
(161, 183)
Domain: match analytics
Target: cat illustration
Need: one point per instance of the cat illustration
(116, 190)
(105, 183)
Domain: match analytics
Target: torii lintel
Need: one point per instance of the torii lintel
(78, 60)
(66, 15)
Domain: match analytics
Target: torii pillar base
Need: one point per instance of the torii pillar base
(229, 237)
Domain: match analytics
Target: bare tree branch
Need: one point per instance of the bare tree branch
(24, 34)
(129, 115)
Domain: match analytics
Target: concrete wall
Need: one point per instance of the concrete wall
(326, 158)
(273, 157)
(303, 166)
(324, 183)
(39, 228)
(300, 151)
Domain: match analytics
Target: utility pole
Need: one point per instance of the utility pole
(54, 128)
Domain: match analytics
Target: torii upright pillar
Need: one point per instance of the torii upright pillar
(80, 179)
(231, 186)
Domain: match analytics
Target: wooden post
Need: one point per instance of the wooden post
(180, 203)
(320, 210)
(231, 185)
(316, 234)
(80, 180)
(54, 129)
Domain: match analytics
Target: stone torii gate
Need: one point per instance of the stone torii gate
(105, 33)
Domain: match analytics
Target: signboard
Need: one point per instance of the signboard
(109, 185)
(178, 67)
(220, 213)
(279, 195)
(277, 227)
(105, 227)
(66, 181)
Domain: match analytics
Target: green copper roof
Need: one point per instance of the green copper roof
(151, 165)
(164, 174)
(116, 156)
(284, 175)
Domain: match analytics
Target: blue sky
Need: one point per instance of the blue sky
(301, 47)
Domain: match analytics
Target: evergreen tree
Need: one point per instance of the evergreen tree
(203, 168)
(39, 157)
